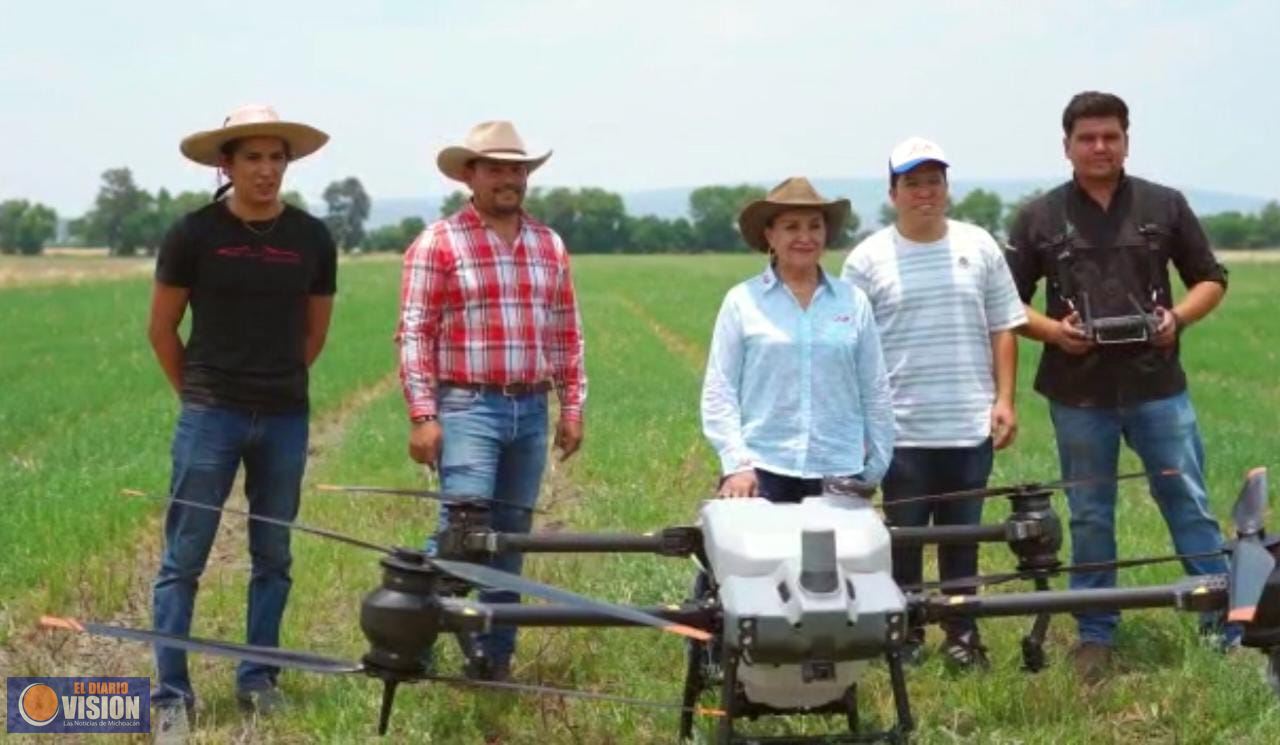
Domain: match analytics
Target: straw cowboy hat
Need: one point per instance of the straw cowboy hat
(490, 141)
(254, 120)
(794, 193)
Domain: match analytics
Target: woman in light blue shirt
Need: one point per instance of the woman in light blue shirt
(795, 388)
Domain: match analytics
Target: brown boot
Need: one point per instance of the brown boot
(1092, 661)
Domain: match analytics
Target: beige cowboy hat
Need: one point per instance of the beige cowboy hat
(794, 193)
(490, 141)
(254, 120)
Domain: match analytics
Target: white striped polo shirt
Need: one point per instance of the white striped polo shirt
(936, 306)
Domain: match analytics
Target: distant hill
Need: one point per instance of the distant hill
(867, 194)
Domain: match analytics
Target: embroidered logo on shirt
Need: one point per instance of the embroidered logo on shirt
(843, 318)
(963, 262)
(268, 254)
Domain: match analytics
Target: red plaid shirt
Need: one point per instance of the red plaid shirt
(474, 310)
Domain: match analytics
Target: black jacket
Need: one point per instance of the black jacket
(1126, 250)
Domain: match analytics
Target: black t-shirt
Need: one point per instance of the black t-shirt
(249, 290)
(1154, 227)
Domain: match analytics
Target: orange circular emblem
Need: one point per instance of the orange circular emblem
(39, 704)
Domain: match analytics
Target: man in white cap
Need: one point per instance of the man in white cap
(489, 324)
(259, 276)
(946, 307)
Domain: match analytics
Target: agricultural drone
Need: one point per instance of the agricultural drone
(798, 599)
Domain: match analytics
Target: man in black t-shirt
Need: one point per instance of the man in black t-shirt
(1103, 243)
(259, 277)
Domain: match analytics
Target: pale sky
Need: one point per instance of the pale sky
(635, 95)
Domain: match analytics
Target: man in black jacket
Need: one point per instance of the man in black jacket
(1103, 242)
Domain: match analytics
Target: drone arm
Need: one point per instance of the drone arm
(463, 615)
(940, 535)
(1206, 593)
(676, 542)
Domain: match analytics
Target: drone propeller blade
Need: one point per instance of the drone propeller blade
(987, 580)
(1005, 491)
(1251, 563)
(541, 690)
(478, 574)
(274, 521)
(262, 655)
(425, 494)
(1249, 513)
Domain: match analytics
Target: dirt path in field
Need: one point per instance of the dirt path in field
(39, 653)
(691, 353)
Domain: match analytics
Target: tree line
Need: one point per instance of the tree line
(128, 219)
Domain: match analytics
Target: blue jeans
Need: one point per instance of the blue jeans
(209, 445)
(1164, 435)
(495, 446)
(917, 472)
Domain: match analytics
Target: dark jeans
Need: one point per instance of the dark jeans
(918, 472)
(209, 445)
(495, 446)
(778, 488)
(1165, 436)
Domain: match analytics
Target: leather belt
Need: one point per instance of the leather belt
(506, 389)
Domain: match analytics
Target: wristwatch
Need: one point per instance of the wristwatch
(422, 418)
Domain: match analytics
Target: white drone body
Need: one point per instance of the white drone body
(806, 592)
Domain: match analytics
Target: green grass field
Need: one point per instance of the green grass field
(84, 412)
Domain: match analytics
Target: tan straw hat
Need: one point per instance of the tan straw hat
(490, 141)
(794, 193)
(254, 120)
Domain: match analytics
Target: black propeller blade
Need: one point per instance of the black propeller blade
(275, 521)
(263, 655)
(987, 580)
(480, 575)
(1005, 491)
(1251, 564)
(426, 494)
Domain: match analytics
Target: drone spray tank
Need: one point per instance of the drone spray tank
(806, 591)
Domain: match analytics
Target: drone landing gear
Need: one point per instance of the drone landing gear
(388, 698)
(1033, 656)
(696, 680)
(702, 669)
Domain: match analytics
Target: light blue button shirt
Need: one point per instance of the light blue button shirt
(796, 391)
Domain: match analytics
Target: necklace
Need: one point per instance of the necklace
(261, 232)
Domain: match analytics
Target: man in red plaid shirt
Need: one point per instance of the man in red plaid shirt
(488, 325)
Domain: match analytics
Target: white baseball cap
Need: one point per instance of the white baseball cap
(913, 151)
